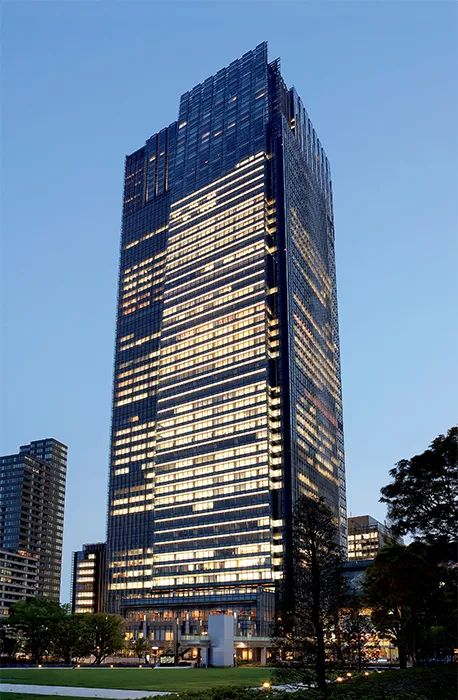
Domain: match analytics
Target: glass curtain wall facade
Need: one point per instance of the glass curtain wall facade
(227, 401)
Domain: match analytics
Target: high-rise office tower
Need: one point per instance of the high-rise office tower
(32, 499)
(88, 579)
(227, 397)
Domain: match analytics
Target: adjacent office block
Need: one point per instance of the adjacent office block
(32, 499)
(227, 398)
(18, 578)
(88, 579)
(366, 536)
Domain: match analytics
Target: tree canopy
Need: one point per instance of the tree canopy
(408, 591)
(37, 620)
(307, 617)
(71, 638)
(106, 634)
(43, 628)
(423, 496)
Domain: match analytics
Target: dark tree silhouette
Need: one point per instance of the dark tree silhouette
(141, 647)
(403, 588)
(423, 496)
(106, 633)
(354, 633)
(308, 611)
(36, 620)
(72, 638)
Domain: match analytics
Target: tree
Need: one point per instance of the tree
(106, 634)
(36, 620)
(306, 620)
(354, 633)
(72, 638)
(423, 497)
(402, 589)
(438, 633)
(141, 647)
(10, 643)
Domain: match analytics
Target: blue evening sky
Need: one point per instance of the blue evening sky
(84, 83)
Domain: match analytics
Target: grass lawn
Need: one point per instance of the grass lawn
(436, 683)
(138, 678)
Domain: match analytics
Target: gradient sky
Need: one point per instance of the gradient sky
(85, 83)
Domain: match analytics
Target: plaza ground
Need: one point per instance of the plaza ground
(138, 678)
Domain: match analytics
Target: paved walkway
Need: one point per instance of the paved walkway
(63, 690)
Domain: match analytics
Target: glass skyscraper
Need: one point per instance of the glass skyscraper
(227, 397)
